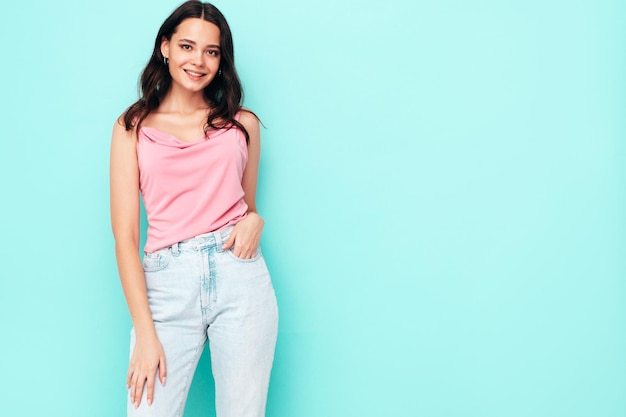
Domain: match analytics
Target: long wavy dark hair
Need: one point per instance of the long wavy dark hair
(224, 94)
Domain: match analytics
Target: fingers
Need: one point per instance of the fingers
(131, 381)
(245, 250)
(137, 380)
(162, 370)
(150, 388)
(152, 378)
(241, 248)
(136, 390)
(245, 237)
(230, 241)
(148, 356)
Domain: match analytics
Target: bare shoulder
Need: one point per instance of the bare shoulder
(250, 121)
(120, 133)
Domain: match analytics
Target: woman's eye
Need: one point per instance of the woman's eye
(187, 47)
(213, 52)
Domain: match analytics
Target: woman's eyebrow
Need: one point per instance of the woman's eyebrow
(194, 43)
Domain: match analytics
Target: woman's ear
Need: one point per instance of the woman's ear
(165, 48)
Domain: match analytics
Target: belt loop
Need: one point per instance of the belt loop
(219, 241)
(175, 250)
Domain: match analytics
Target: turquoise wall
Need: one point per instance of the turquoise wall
(443, 183)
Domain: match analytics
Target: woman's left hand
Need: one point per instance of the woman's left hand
(246, 236)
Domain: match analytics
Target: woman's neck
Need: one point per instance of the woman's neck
(183, 102)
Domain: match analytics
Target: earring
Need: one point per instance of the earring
(219, 72)
(166, 60)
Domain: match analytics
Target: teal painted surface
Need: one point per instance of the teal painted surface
(444, 189)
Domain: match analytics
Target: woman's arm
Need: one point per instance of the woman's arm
(124, 182)
(247, 233)
(251, 172)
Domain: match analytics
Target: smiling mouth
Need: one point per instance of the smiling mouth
(195, 74)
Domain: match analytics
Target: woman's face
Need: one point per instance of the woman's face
(193, 53)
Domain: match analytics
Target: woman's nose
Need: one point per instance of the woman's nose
(197, 58)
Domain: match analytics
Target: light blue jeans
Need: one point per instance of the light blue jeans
(197, 290)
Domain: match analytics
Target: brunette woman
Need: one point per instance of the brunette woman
(192, 151)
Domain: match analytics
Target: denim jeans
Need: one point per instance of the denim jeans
(197, 291)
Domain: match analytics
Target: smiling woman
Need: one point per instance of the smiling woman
(193, 65)
(192, 151)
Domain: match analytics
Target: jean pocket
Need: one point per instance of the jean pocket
(156, 261)
(256, 257)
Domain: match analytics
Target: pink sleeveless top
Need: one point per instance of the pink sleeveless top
(190, 188)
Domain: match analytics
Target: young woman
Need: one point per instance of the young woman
(192, 151)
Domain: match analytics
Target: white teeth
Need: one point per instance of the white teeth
(194, 74)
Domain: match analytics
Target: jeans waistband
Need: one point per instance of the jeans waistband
(206, 240)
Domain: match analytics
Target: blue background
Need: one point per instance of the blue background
(443, 185)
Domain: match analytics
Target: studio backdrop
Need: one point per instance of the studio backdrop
(443, 185)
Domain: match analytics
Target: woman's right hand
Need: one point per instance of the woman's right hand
(147, 357)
